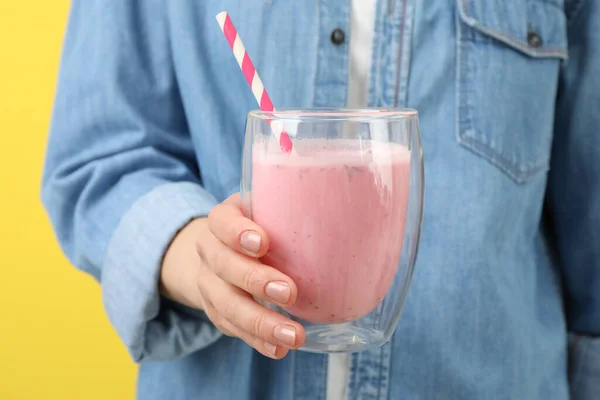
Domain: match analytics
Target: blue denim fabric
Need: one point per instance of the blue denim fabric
(148, 131)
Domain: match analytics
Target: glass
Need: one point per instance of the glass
(343, 214)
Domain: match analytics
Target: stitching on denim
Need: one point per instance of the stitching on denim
(375, 92)
(484, 141)
(345, 56)
(401, 49)
(457, 84)
(409, 31)
(318, 43)
(516, 43)
(509, 168)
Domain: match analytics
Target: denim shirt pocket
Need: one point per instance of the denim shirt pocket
(508, 60)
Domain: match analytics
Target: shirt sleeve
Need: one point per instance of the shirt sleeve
(574, 195)
(120, 176)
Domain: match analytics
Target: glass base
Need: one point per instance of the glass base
(337, 338)
(340, 338)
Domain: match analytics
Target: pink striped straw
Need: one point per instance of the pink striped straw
(260, 94)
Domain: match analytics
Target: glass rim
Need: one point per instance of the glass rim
(336, 114)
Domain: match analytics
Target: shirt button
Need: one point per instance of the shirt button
(534, 40)
(338, 36)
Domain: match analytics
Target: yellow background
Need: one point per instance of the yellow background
(55, 341)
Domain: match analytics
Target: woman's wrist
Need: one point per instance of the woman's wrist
(181, 265)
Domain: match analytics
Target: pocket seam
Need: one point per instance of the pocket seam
(519, 175)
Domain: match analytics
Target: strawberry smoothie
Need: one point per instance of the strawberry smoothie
(335, 215)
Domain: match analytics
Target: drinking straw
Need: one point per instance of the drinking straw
(258, 89)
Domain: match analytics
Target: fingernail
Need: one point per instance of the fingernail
(251, 242)
(271, 349)
(278, 292)
(286, 334)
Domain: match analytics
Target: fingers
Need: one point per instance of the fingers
(232, 275)
(266, 348)
(258, 321)
(248, 274)
(228, 223)
(230, 307)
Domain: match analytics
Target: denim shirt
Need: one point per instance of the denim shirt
(147, 134)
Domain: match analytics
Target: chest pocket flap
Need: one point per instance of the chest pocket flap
(515, 23)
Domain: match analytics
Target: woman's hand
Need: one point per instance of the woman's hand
(213, 264)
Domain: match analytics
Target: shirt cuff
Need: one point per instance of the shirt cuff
(151, 328)
(584, 367)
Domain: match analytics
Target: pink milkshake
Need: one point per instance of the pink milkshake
(335, 213)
